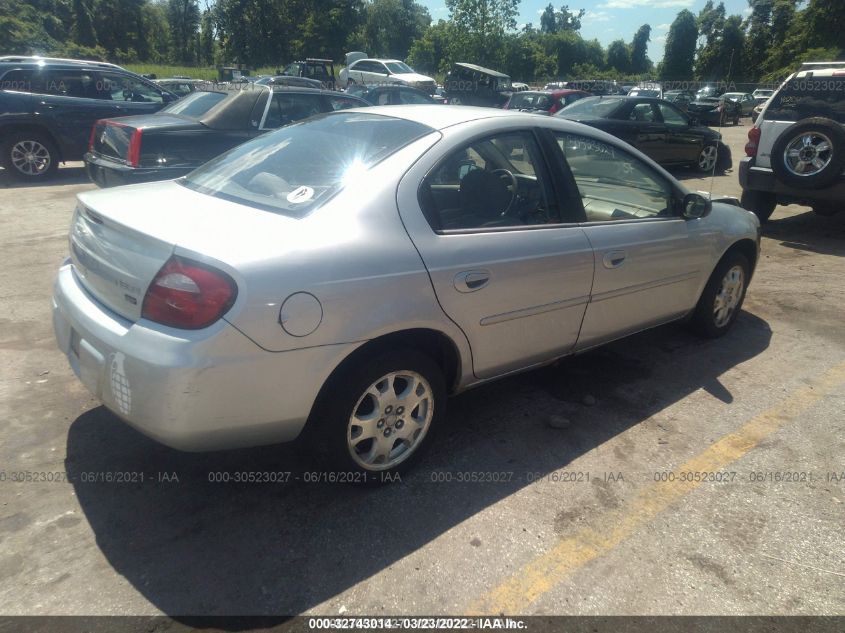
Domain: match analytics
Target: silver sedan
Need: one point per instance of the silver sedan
(337, 279)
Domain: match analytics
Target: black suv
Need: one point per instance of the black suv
(320, 69)
(48, 107)
(468, 84)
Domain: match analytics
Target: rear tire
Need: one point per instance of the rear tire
(377, 418)
(707, 158)
(760, 203)
(722, 298)
(29, 156)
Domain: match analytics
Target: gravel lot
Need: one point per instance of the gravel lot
(584, 520)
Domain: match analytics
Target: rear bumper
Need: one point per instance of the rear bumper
(108, 173)
(753, 178)
(191, 390)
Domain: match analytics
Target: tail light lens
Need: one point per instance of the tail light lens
(133, 153)
(94, 128)
(188, 295)
(753, 141)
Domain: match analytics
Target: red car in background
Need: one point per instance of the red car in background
(544, 101)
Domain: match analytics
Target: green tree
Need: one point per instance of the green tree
(640, 63)
(82, 32)
(758, 40)
(480, 27)
(679, 54)
(618, 56)
(183, 16)
(390, 26)
(430, 53)
(548, 20)
(206, 42)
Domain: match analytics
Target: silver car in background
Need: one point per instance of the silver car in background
(337, 279)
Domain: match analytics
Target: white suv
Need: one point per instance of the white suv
(385, 71)
(796, 149)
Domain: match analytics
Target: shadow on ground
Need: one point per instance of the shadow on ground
(201, 548)
(69, 175)
(809, 232)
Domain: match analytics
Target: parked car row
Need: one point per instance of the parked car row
(47, 108)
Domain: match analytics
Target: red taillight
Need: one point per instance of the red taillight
(133, 153)
(188, 295)
(753, 140)
(93, 134)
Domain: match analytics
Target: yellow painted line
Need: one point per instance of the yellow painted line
(570, 554)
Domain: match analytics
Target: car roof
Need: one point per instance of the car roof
(483, 70)
(440, 117)
(378, 59)
(54, 61)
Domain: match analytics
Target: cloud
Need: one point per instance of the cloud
(662, 27)
(652, 4)
(596, 16)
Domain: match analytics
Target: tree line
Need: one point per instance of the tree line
(764, 44)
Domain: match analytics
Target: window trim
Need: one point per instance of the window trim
(549, 189)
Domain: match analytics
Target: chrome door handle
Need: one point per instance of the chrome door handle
(614, 259)
(471, 280)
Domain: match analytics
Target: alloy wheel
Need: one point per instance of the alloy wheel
(30, 157)
(707, 158)
(728, 296)
(808, 153)
(390, 420)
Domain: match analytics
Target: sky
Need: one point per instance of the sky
(608, 20)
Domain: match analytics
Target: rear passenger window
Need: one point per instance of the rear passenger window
(71, 83)
(22, 81)
(642, 112)
(344, 103)
(411, 97)
(287, 108)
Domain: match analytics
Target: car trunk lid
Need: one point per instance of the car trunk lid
(113, 261)
(113, 138)
(121, 237)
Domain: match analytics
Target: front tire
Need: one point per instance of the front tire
(723, 295)
(29, 156)
(760, 203)
(377, 417)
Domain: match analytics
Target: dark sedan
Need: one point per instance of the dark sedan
(389, 94)
(655, 127)
(715, 110)
(544, 101)
(197, 128)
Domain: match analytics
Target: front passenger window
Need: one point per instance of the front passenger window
(613, 184)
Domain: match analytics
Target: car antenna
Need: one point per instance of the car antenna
(721, 119)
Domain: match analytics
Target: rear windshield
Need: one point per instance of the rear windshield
(195, 104)
(297, 168)
(530, 100)
(592, 106)
(803, 98)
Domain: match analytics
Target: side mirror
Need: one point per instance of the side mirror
(695, 206)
